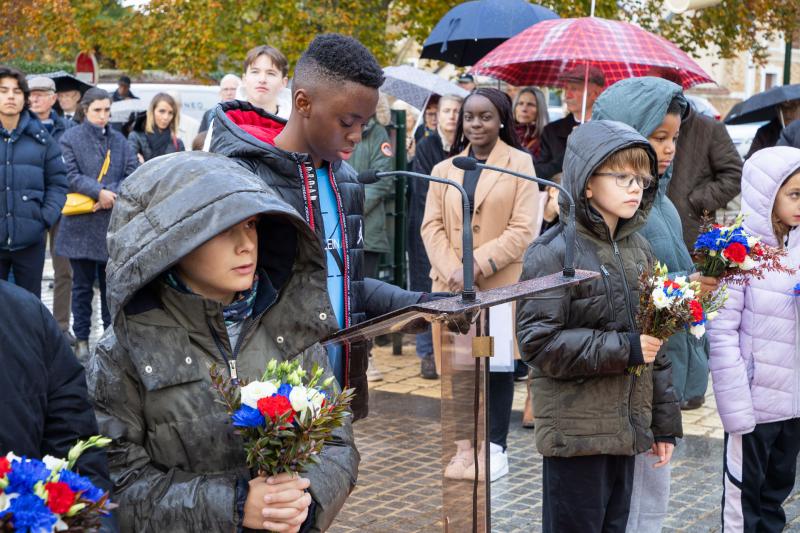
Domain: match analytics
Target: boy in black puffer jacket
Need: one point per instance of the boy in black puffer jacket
(593, 415)
(334, 94)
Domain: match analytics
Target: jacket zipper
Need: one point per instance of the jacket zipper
(607, 283)
(797, 357)
(633, 325)
(231, 362)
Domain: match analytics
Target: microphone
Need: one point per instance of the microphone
(468, 263)
(469, 163)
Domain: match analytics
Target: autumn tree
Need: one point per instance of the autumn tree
(197, 37)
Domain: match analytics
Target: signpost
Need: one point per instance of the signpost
(86, 68)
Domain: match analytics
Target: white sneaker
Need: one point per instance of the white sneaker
(498, 464)
(373, 374)
(461, 461)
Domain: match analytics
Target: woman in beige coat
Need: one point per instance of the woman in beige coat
(504, 222)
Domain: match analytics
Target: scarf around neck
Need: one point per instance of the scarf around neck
(237, 311)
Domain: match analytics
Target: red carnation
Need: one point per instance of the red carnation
(276, 406)
(697, 310)
(5, 466)
(736, 252)
(59, 497)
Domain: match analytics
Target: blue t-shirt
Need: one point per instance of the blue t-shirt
(335, 258)
(333, 242)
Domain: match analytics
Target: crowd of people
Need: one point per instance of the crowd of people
(264, 242)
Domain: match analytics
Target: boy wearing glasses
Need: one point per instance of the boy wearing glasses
(592, 414)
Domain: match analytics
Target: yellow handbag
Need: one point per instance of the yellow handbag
(80, 204)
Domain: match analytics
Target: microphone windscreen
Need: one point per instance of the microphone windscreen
(368, 176)
(465, 163)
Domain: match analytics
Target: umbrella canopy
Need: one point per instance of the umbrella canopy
(539, 54)
(763, 106)
(471, 30)
(65, 81)
(121, 111)
(414, 86)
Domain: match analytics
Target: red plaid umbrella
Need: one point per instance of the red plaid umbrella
(539, 54)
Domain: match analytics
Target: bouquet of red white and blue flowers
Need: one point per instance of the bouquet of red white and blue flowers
(731, 254)
(285, 418)
(45, 496)
(667, 305)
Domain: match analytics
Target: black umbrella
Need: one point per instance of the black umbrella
(762, 106)
(65, 81)
(471, 30)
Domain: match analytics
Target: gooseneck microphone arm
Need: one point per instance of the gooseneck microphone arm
(469, 163)
(468, 294)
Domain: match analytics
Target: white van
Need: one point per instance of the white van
(194, 100)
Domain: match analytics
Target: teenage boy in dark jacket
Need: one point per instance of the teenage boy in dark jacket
(593, 415)
(34, 181)
(334, 94)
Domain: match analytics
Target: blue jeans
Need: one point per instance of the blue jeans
(425, 344)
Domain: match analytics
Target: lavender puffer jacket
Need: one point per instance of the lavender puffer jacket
(755, 340)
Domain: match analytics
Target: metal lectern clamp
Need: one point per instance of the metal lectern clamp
(483, 346)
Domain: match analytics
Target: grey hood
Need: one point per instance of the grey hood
(588, 147)
(173, 204)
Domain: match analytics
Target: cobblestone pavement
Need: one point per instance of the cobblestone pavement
(399, 486)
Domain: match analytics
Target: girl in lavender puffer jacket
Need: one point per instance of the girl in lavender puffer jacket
(755, 355)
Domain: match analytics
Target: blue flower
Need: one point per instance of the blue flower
(285, 390)
(29, 513)
(81, 484)
(796, 290)
(738, 235)
(247, 417)
(710, 240)
(25, 474)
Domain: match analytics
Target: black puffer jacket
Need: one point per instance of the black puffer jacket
(245, 133)
(45, 404)
(581, 339)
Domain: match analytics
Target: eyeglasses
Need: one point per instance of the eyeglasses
(626, 180)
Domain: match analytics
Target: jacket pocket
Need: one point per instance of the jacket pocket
(168, 363)
(591, 407)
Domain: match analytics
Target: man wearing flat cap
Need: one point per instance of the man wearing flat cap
(554, 135)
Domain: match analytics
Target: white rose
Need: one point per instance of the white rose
(712, 315)
(54, 464)
(298, 398)
(315, 399)
(660, 300)
(748, 263)
(752, 241)
(698, 330)
(252, 392)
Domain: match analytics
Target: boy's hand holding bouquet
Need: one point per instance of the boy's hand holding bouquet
(286, 417)
(668, 305)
